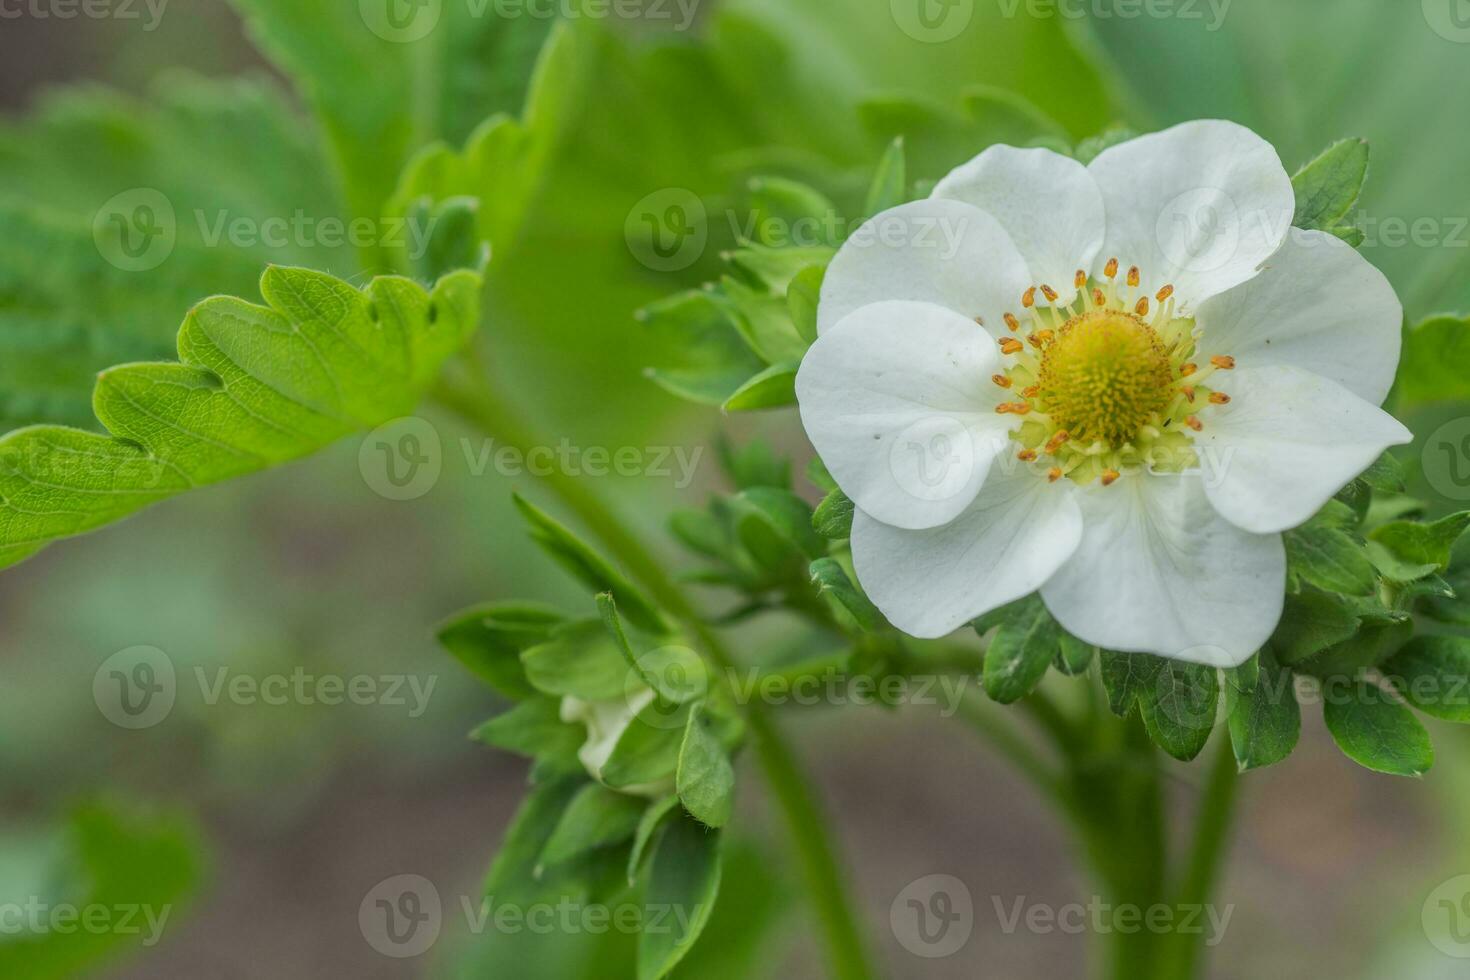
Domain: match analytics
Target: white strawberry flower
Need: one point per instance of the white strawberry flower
(1116, 384)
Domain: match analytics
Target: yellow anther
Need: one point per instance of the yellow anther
(1031, 392)
(1056, 442)
(1080, 279)
(1219, 398)
(1012, 408)
(1109, 477)
(1028, 298)
(1012, 324)
(1188, 392)
(1026, 455)
(1049, 293)
(1142, 308)
(1223, 362)
(1111, 269)
(1054, 474)
(1188, 369)
(1098, 298)
(1134, 276)
(1194, 423)
(1165, 293)
(1001, 380)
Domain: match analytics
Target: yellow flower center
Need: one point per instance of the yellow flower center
(1106, 389)
(1105, 376)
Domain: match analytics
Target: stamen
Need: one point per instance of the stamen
(1188, 369)
(1026, 455)
(1188, 391)
(1194, 423)
(1142, 308)
(1109, 476)
(1031, 392)
(1049, 293)
(1098, 298)
(1001, 380)
(1012, 408)
(1135, 276)
(1219, 398)
(1054, 474)
(1035, 339)
(1080, 279)
(1165, 293)
(1028, 298)
(1111, 269)
(1012, 323)
(1056, 442)
(1223, 362)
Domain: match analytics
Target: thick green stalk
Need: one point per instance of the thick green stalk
(1207, 854)
(825, 880)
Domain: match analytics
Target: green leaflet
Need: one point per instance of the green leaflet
(1377, 732)
(384, 88)
(255, 386)
(228, 171)
(1432, 368)
(1329, 187)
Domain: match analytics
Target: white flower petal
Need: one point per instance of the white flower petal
(1049, 205)
(897, 399)
(1288, 441)
(1317, 305)
(1018, 531)
(932, 251)
(1200, 206)
(1159, 571)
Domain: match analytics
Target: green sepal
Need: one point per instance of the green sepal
(833, 516)
(596, 817)
(1328, 188)
(773, 387)
(705, 777)
(1377, 732)
(533, 728)
(1179, 708)
(889, 188)
(684, 876)
(1022, 649)
(649, 824)
(488, 639)
(1265, 717)
(1432, 673)
(833, 584)
(580, 659)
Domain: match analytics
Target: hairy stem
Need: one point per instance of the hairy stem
(826, 883)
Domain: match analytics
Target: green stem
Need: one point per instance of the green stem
(1207, 854)
(803, 816)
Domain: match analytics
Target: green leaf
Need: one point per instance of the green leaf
(833, 517)
(512, 876)
(711, 361)
(596, 817)
(802, 297)
(832, 582)
(257, 386)
(1311, 622)
(1386, 475)
(675, 672)
(1179, 707)
(488, 639)
(890, 182)
(648, 750)
(120, 859)
(1393, 567)
(755, 465)
(1021, 650)
(1246, 676)
(382, 89)
(1126, 677)
(581, 659)
(649, 824)
(685, 879)
(706, 780)
(1454, 609)
(533, 728)
(1328, 188)
(1414, 543)
(1075, 656)
(763, 321)
(774, 387)
(1377, 732)
(776, 527)
(1265, 718)
(1433, 674)
(1330, 559)
(1432, 366)
(588, 567)
(778, 268)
